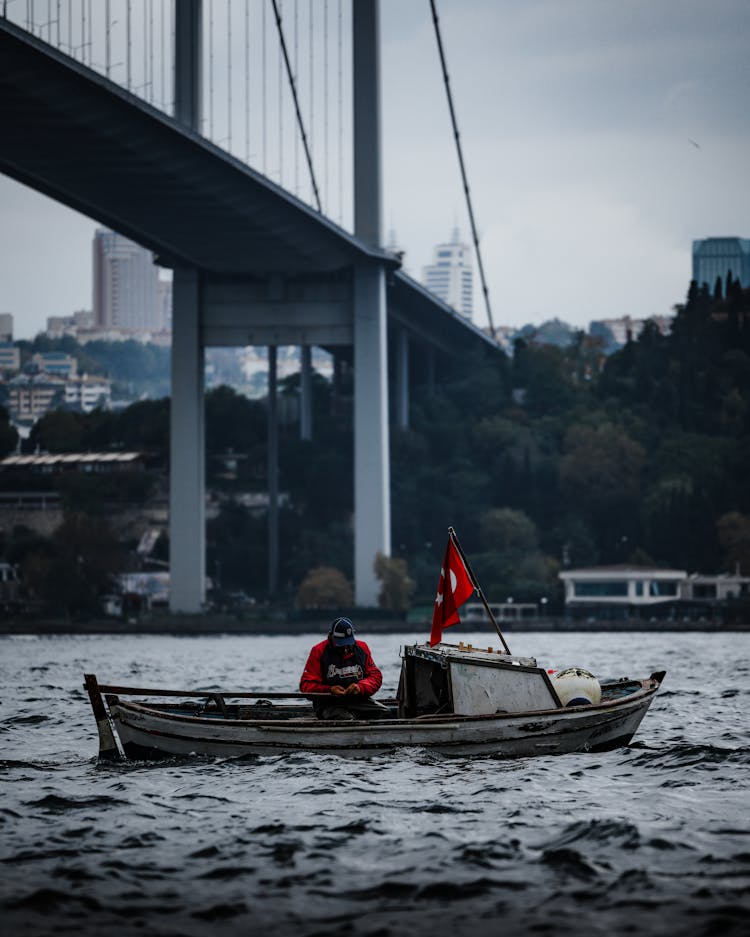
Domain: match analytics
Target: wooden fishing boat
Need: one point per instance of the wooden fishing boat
(453, 699)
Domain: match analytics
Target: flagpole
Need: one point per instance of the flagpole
(454, 540)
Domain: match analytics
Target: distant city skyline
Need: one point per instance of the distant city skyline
(600, 140)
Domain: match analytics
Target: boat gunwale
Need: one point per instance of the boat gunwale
(647, 687)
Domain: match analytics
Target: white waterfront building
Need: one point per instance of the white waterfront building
(643, 588)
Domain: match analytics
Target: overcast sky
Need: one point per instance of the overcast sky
(600, 139)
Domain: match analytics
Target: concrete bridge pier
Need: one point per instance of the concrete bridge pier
(187, 481)
(372, 495)
(187, 474)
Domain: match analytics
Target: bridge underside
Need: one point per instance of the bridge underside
(87, 143)
(253, 265)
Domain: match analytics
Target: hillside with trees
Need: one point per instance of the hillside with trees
(557, 456)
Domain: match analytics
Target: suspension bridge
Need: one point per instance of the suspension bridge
(198, 129)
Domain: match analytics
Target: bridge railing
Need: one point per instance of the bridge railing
(248, 108)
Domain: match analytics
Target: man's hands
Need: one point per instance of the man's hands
(352, 690)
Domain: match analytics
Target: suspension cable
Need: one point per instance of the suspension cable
(340, 122)
(296, 76)
(247, 83)
(457, 137)
(229, 76)
(293, 87)
(326, 189)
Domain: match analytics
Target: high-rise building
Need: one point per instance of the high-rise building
(6, 327)
(450, 276)
(126, 285)
(715, 257)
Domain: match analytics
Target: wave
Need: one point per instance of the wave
(53, 803)
(687, 754)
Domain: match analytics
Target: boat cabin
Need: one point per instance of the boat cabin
(468, 681)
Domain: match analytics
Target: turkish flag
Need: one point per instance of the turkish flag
(454, 588)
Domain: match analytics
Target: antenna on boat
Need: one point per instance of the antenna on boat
(477, 587)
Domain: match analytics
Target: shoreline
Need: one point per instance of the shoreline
(218, 625)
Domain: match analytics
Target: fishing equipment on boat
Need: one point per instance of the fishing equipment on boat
(577, 687)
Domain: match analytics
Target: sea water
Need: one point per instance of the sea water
(653, 838)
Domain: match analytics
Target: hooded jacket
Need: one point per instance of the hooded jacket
(328, 666)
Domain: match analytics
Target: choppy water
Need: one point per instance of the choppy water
(653, 838)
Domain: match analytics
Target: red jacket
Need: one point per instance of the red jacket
(361, 670)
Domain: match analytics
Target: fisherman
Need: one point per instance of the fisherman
(343, 668)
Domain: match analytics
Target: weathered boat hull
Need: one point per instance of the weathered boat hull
(147, 732)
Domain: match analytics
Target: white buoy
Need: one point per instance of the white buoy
(577, 687)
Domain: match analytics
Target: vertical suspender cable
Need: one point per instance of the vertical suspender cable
(265, 123)
(145, 49)
(300, 123)
(210, 69)
(312, 76)
(229, 75)
(163, 60)
(279, 86)
(341, 119)
(128, 45)
(248, 110)
(296, 78)
(150, 51)
(457, 137)
(172, 16)
(107, 40)
(326, 189)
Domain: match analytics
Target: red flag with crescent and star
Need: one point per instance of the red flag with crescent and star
(454, 588)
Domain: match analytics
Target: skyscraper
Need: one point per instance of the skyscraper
(126, 285)
(714, 257)
(450, 276)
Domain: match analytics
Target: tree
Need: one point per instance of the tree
(76, 566)
(397, 587)
(8, 434)
(325, 587)
(733, 530)
(58, 431)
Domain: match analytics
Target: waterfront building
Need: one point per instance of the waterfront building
(451, 277)
(715, 257)
(647, 591)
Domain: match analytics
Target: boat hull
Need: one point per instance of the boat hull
(146, 732)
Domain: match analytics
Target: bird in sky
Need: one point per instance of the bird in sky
(696, 145)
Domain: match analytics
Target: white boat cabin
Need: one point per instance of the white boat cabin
(468, 681)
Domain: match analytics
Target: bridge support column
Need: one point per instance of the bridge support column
(402, 379)
(187, 521)
(273, 472)
(188, 63)
(305, 394)
(372, 504)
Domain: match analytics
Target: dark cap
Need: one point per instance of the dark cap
(342, 632)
